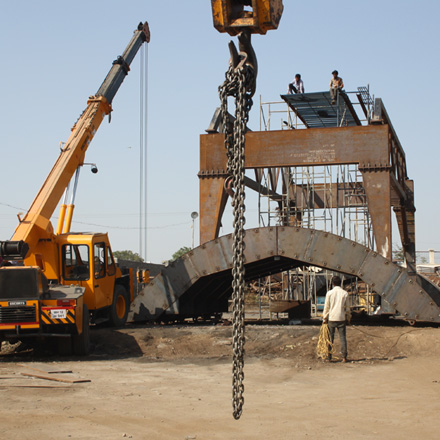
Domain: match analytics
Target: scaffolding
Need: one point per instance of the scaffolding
(329, 198)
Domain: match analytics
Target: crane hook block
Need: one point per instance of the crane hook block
(232, 16)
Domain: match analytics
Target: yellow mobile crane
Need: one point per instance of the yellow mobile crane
(52, 281)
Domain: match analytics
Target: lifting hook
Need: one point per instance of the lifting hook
(245, 56)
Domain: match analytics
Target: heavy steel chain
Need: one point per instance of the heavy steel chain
(239, 83)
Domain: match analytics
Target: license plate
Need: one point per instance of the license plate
(58, 313)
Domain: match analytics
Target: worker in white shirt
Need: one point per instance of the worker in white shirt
(297, 86)
(337, 314)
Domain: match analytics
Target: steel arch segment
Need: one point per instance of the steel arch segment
(260, 243)
(311, 247)
(322, 249)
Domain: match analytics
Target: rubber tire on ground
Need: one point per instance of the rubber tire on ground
(120, 307)
(81, 343)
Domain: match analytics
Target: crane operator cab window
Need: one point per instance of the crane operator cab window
(99, 260)
(111, 266)
(76, 262)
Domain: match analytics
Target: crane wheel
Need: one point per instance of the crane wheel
(120, 307)
(81, 343)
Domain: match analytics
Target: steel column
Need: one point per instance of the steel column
(213, 198)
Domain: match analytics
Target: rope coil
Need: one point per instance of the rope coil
(324, 349)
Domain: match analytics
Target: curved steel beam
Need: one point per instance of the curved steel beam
(200, 280)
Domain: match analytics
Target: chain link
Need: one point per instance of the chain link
(238, 83)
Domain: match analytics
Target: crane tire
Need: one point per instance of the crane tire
(120, 307)
(81, 343)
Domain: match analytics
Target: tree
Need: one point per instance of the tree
(421, 260)
(128, 255)
(182, 251)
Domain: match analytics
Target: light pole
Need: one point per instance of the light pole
(194, 215)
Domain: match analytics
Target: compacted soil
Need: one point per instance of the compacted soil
(174, 382)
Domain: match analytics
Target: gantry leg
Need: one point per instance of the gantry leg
(378, 190)
(213, 198)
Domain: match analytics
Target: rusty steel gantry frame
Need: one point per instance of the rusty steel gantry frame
(374, 148)
(199, 283)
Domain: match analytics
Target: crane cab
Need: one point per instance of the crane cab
(87, 260)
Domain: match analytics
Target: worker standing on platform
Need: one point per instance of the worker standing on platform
(337, 314)
(336, 85)
(297, 86)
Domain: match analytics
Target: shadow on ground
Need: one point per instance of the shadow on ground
(106, 344)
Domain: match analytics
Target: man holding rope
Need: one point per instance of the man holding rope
(337, 314)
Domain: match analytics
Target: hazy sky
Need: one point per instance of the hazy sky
(55, 54)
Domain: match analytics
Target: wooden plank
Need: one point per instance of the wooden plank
(56, 379)
(42, 369)
(36, 386)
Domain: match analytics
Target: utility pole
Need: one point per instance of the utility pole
(194, 215)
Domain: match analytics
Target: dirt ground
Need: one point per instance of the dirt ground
(174, 382)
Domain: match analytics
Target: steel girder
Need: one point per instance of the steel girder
(374, 148)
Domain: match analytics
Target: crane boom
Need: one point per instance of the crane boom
(36, 226)
(121, 65)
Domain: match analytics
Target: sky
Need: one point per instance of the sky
(55, 54)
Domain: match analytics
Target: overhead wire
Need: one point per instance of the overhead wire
(131, 227)
(107, 226)
(107, 215)
(12, 206)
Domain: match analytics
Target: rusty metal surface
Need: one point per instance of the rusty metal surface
(200, 281)
(286, 305)
(366, 146)
(374, 148)
(402, 186)
(378, 190)
(213, 198)
(329, 195)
